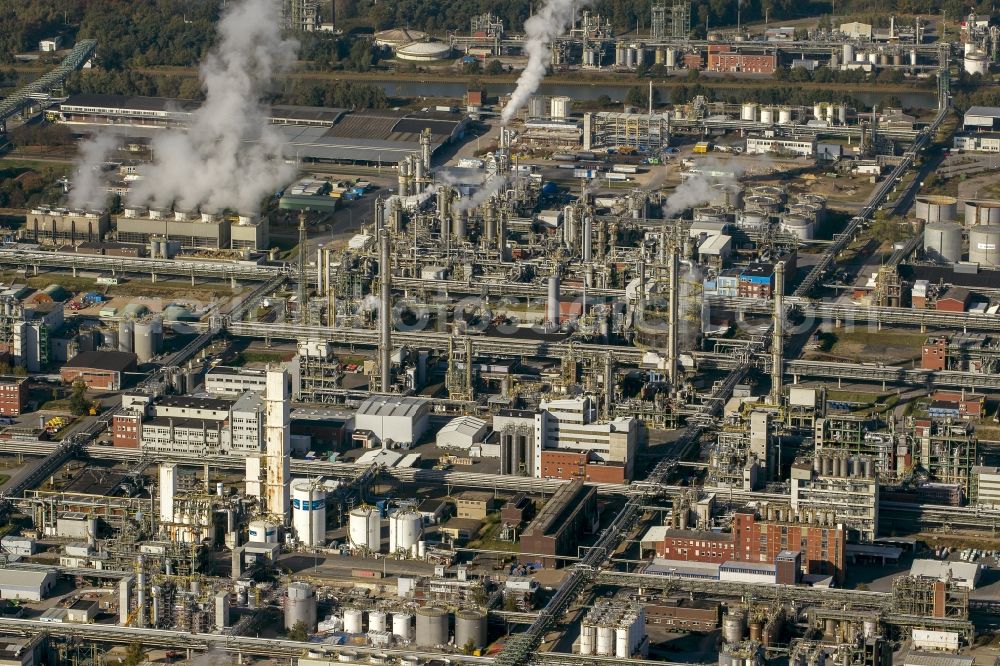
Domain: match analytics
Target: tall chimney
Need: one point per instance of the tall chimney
(673, 315)
(777, 338)
(384, 316)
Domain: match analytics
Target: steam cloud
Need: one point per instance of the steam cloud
(697, 189)
(539, 32)
(88, 177)
(229, 157)
(489, 187)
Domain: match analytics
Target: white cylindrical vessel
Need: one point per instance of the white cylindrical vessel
(364, 529)
(309, 511)
(376, 620)
(353, 621)
(405, 528)
(402, 626)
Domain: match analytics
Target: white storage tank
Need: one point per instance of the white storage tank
(748, 111)
(784, 116)
(848, 52)
(588, 635)
(402, 626)
(671, 57)
(943, 241)
(767, 115)
(126, 335)
(309, 511)
(751, 220)
(799, 226)
(818, 110)
(732, 628)
(353, 618)
(936, 208)
(561, 107)
(976, 62)
(405, 528)
(146, 338)
(605, 641)
(364, 529)
(263, 531)
(538, 106)
(984, 245)
(982, 212)
(376, 620)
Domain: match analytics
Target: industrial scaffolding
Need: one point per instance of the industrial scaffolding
(929, 597)
(301, 15)
(670, 21)
(641, 131)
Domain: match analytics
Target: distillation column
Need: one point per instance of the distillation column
(385, 330)
(777, 340)
(673, 318)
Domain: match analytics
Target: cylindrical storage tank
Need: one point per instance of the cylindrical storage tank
(640, 55)
(402, 626)
(561, 106)
(727, 194)
(842, 114)
(984, 245)
(470, 628)
(309, 511)
(605, 640)
(732, 628)
(263, 531)
(766, 204)
(353, 621)
(755, 631)
(748, 111)
(432, 626)
(538, 106)
(883, 59)
(982, 212)
(300, 605)
(620, 54)
(818, 110)
(897, 59)
(752, 219)
(405, 528)
(801, 227)
(145, 342)
(376, 620)
(711, 214)
(767, 115)
(126, 336)
(622, 647)
(943, 242)
(671, 59)
(629, 57)
(848, 53)
(784, 116)
(831, 112)
(552, 303)
(364, 530)
(588, 635)
(873, 57)
(976, 62)
(936, 208)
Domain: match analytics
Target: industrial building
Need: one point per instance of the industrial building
(395, 421)
(21, 585)
(58, 226)
(562, 522)
(571, 442)
(99, 370)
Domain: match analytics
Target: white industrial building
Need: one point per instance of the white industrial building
(227, 381)
(572, 425)
(982, 118)
(18, 546)
(464, 433)
(962, 574)
(205, 426)
(761, 146)
(26, 585)
(400, 420)
(985, 485)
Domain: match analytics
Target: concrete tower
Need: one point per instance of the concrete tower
(777, 339)
(277, 442)
(168, 488)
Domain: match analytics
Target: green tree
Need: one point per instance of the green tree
(298, 632)
(134, 654)
(78, 402)
(494, 67)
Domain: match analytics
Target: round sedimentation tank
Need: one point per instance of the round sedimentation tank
(943, 242)
(432, 626)
(769, 191)
(767, 204)
(300, 605)
(798, 225)
(376, 620)
(936, 208)
(126, 336)
(309, 511)
(364, 529)
(984, 245)
(263, 531)
(405, 528)
(982, 212)
(353, 621)
(470, 628)
(402, 626)
(560, 107)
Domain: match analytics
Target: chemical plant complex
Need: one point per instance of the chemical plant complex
(511, 377)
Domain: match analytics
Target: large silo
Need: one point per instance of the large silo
(145, 340)
(309, 511)
(943, 242)
(405, 528)
(432, 626)
(982, 212)
(470, 627)
(402, 626)
(364, 529)
(984, 245)
(300, 605)
(126, 336)
(936, 208)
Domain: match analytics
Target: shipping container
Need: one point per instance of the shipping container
(616, 176)
(366, 573)
(564, 157)
(625, 168)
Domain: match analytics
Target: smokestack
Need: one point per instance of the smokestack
(673, 318)
(425, 149)
(331, 293)
(303, 282)
(777, 339)
(385, 331)
(277, 440)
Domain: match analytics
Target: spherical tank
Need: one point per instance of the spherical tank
(363, 529)
(561, 107)
(943, 241)
(982, 212)
(936, 208)
(309, 511)
(767, 115)
(432, 626)
(801, 227)
(984, 245)
(402, 626)
(748, 111)
(300, 605)
(405, 528)
(470, 627)
(263, 531)
(376, 620)
(126, 336)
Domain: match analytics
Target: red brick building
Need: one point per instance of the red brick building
(126, 430)
(722, 58)
(934, 354)
(821, 547)
(696, 546)
(571, 465)
(955, 299)
(13, 395)
(99, 370)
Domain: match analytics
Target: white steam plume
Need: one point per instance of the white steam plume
(540, 30)
(229, 157)
(489, 187)
(87, 184)
(697, 189)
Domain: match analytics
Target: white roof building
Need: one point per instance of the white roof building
(403, 420)
(963, 574)
(26, 584)
(462, 433)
